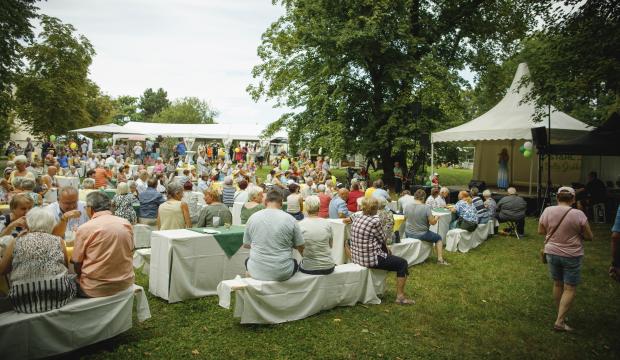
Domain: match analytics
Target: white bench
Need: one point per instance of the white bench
(463, 240)
(79, 323)
(413, 250)
(142, 259)
(273, 302)
(142, 236)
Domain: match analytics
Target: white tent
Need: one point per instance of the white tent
(225, 132)
(507, 125)
(99, 129)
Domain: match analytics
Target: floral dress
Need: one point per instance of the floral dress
(123, 207)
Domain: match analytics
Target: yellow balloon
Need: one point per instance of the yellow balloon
(73, 146)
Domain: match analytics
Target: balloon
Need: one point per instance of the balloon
(237, 150)
(52, 138)
(522, 149)
(528, 145)
(527, 153)
(73, 146)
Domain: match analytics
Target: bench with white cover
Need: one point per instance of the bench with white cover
(463, 240)
(80, 323)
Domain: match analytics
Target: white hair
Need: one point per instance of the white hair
(228, 180)
(122, 188)
(486, 193)
(174, 188)
(40, 219)
(321, 188)
(312, 204)
(88, 183)
(444, 190)
(254, 191)
(20, 159)
(382, 201)
(512, 191)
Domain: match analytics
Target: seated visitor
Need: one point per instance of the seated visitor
(317, 234)
(491, 206)
(122, 203)
(419, 217)
(102, 175)
(254, 204)
(214, 209)
(174, 213)
(15, 221)
(595, 192)
(444, 197)
(405, 199)
(271, 234)
(338, 205)
(88, 186)
(380, 191)
(21, 172)
(294, 202)
(27, 186)
(354, 194)
(387, 219)
(512, 208)
(49, 179)
(325, 201)
(150, 199)
(242, 194)
(142, 182)
(435, 200)
(228, 192)
(482, 213)
(195, 201)
(368, 248)
(69, 212)
(36, 264)
(99, 273)
(466, 212)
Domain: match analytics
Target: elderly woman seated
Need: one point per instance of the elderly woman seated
(466, 213)
(214, 209)
(122, 203)
(317, 234)
(368, 248)
(36, 264)
(88, 186)
(174, 213)
(195, 201)
(254, 204)
(387, 219)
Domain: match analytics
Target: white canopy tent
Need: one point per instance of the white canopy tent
(100, 129)
(507, 125)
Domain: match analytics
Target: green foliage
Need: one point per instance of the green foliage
(53, 92)
(101, 107)
(188, 110)
(153, 102)
(376, 77)
(15, 31)
(126, 109)
(575, 62)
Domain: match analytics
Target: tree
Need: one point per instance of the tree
(100, 107)
(52, 93)
(126, 109)
(376, 77)
(153, 102)
(575, 61)
(15, 30)
(188, 110)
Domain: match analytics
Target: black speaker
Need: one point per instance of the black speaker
(481, 185)
(539, 135)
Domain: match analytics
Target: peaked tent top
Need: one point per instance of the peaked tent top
(510, 119)
(100, 129)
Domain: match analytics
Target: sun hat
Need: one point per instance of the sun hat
(567, 189)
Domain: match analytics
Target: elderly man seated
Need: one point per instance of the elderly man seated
(271, 234)
(512, 208)
(150, 199)
(68, 211)
(102, 254)
(338, 205)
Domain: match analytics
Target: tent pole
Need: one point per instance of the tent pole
(531, 167)
(432, 158)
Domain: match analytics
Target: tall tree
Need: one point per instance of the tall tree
(126, 109)
(377, 76)
(188, 110)
(15, 30)
(153, 102)
(100, 107)
(52, 92)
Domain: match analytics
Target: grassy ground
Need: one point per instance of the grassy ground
(493, 302)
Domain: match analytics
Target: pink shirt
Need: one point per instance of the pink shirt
(104, 246)
(567, 240)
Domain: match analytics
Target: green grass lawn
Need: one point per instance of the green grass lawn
(493, 302)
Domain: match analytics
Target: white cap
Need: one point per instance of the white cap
(567, 189)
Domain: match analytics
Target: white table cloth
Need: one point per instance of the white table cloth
(142, 236)
(142, 259)
(133, 170)
(79, 323)
(443, 224)
(463, 241)
(64, 181)
(236, 213)
(340, 234)
(186, 264)
(413, 250)
(273, 302)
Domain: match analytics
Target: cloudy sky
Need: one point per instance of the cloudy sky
(202, 48)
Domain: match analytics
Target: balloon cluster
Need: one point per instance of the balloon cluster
(527, 149)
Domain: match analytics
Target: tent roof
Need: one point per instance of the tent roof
(208, 131)
(510, 119)
(100, 129)
(602, 141)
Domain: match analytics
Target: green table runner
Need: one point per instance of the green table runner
(230, 240)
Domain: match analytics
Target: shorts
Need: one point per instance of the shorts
(428, 236)
(565, 269)
(393, 263)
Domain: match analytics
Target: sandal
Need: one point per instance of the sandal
(442, 262)
(563, 328)
(404, 301)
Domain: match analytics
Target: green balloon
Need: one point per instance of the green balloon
(522, 149)
(52, 138)
(527, 153)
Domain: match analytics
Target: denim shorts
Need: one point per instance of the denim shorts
(565, 269)
(428, 236)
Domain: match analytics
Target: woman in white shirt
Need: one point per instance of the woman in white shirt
(317, 234)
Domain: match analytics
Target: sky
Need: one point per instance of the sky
(201, 48)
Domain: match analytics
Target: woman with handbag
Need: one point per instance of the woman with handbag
(565, 229)
(467, 218)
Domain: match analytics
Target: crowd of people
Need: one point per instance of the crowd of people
(73, 234)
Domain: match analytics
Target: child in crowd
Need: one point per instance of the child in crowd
(28, 186)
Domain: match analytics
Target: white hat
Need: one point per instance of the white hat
(567, 189)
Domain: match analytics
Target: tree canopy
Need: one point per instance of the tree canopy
(188, 110)
(376, 77)
(153, 102)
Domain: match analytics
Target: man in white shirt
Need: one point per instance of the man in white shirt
(68, 211)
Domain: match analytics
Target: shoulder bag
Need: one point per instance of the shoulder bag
(543, 257)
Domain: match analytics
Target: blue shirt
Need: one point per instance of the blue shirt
(616, 227)
(63, 162)
(380, 193)
(181, 149)
(466, 211)
(150, 200)
(337, 205)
